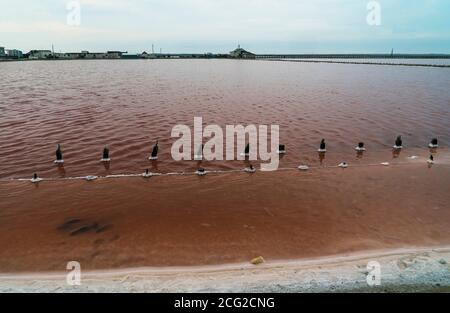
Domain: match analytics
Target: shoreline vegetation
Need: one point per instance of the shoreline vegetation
(419, 269)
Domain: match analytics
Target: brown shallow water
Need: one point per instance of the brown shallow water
(221, 218)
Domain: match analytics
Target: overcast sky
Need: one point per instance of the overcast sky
(261, 26)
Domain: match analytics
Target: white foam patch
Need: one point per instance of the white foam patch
(121, 175)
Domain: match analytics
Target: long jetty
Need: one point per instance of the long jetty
(353, 56)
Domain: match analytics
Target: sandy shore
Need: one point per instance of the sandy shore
(402, 270)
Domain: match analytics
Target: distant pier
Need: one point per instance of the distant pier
(352, 56)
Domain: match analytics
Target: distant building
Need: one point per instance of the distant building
(13, 53)
(96, 55)
(145, 55)
(73, 55)
(240, 53)
(39, 54)
(60, 55)
(2, 51)
(92, 55)
(115, 54)
(130, 56)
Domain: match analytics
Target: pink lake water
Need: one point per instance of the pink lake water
(129, 104)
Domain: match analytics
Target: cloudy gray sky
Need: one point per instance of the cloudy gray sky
(263, 26)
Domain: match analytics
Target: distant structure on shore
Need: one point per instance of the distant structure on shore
(47, 54)
(10, 53)
(146, 55)
(238, 53)
(39, 54)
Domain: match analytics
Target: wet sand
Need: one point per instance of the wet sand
(223, 218)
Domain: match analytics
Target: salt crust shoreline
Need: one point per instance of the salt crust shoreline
(402, 270)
